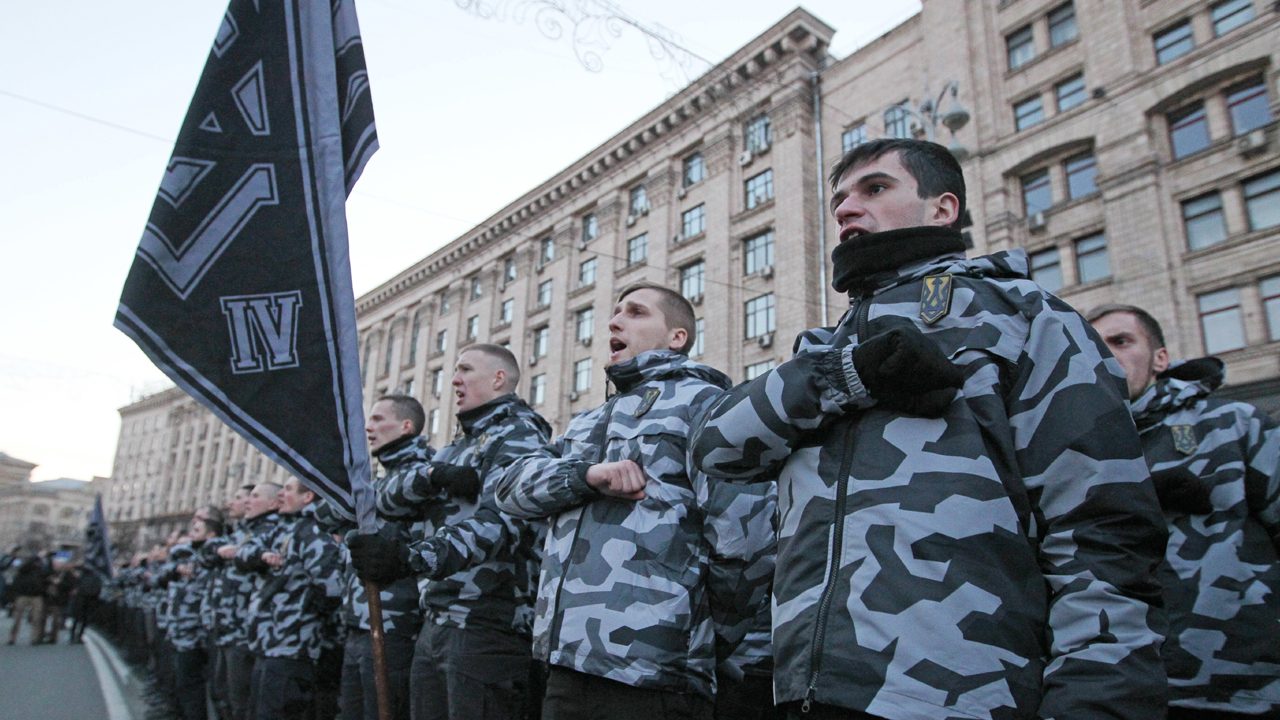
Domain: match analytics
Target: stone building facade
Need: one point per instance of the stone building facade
(47, 515)
(1130, 147)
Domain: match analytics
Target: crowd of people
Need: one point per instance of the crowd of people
(964, 500)
(45, 591)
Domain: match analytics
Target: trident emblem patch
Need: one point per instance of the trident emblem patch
(935, 298)
(647, 401)
(1184, 438)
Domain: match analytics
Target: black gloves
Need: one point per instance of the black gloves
(904, 371)
(460, 481)
(379, 560)
(1180, 490)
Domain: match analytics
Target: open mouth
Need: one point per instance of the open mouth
(851, 233)
(616, 346)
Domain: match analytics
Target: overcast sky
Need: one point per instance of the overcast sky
(472, 112)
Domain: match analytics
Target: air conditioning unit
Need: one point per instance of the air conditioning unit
(765, 340)
(586, 341)
(1252, 142)
(767, 272)
(1035, 221)
(533, 360)
(745, 158)
(582, 244)
(644, 210)
(631, 220)
(677, 238)
(696, 299)
(573, 396)
(681, 193)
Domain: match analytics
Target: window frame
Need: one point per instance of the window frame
(758, 189)
(1055, 23)
(1085, 256)
(1036, 268)
(1253, 197)
(1033, 181)
(638, 249)
(759, 316)
(1078, 96)
(1199, 217)
(1194, 114)
(693, 222)
(1203, 317)
(693, 273)
(1026, 40)
(751, 263)
(1082, 161)
(757, 134)
(693, 164)
(1228, 19)
(582, 266)
(1184, 32)
(1028, 113)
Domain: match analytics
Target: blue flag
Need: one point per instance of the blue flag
(241, 287)
(97, 543)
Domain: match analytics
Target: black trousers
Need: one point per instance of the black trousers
(1181, 713)
(825, 712)
(471, 674)
(572, 695)
(328, 682)
(239, 681)
(190, 686)
(283, 689)
(358, 699)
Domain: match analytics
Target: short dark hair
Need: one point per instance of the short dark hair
(407, 408)
(934, 168)
(506, 359)
(247, 488)
(215, 526)
(1149, 325)
(677, 311)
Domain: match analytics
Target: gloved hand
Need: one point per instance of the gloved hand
(1180, 490)
(904, 371)
(460, 481)
(379, 560)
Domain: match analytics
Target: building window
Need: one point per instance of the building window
(437, 382)
(1046, 269)
(638, 201)
(757, 252)
(544, 293)
(590, 227)
(433, 422)
(537, 390)
(1229, 15)
(759, 189)
(638, 249)
(391, 346)
(698, 345)
(1262, 200)
(582, 375)
(695, 169)
(755, 370)
(509, 269)
(585, 324)
(415, 333)
(546, 250)
(587, 272)
(477, 288)
(541, 340)
(693, 222)
(693, 279)
(1028, 113)
(1037, 196)
(759, 316)
(1247, 103)
(445, 303)
(1203, 220)
(1270, 291)
(406, 387)
(1220, 320)
(473, 327)
(1062, 25)
(1174, 42)
(442, 341)
(1092, 262)
(1022, 47)
(1189, 130)
(1082, 175)
(507, 311)
(895, 121)
(758, 133)
(853, 137)
(1070, 93)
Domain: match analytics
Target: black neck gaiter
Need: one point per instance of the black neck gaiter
(855, 262)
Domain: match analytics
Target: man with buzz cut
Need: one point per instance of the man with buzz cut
(641, 550)
(472, 658)
(1216, 468)
(967, 526)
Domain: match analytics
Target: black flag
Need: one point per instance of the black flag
(241, 288)
(97, 544)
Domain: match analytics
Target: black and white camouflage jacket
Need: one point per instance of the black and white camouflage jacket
(997, 561)
(627, 587)
(186, 629)
(473, 560)
(1221, 575)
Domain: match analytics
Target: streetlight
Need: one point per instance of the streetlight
(956, 116)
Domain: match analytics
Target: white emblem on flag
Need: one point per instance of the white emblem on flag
(264, 331)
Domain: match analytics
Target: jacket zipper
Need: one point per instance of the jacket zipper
(837, 538)
(554, 640)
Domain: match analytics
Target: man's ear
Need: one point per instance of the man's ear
(676, 338)
(944, 210)
(1160, 360)
(499, 379)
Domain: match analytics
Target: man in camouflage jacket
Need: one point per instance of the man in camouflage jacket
(472, 657)
(226, 604)
(1216, 467)
(393, 428)
(967, 528)
(627, 591)
(188, 580)
(289, 610)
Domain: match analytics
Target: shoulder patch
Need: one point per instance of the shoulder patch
(1184, 438)
(935, 298)
(647, 400)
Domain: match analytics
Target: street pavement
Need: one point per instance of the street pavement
(57, 682)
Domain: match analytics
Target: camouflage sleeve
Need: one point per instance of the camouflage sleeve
(740, 529)
(1101, 532)
(332, 520)
(1262, 476)
(544, 483)
(249, 555)
(322, 563)
(752, 429)
(405, 494)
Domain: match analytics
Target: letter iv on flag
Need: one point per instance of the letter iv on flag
(241, 287)
(97, 544)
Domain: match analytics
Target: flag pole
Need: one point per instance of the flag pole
(374, 593)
